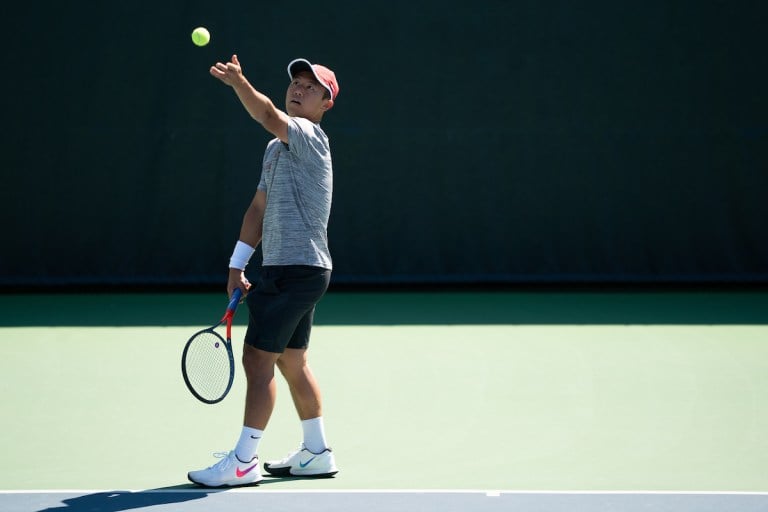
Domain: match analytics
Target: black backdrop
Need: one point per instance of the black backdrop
(491, 142)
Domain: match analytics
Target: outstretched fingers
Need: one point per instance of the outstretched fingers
(226, 72)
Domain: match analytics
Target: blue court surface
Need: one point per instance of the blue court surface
(236, 500)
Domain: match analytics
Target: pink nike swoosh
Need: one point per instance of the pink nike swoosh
(241, 474)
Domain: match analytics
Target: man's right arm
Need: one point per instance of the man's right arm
(253, 220)
(250, 234)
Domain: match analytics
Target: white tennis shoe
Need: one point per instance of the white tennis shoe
(228, 472)
(303, 462)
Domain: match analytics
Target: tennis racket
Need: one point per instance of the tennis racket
(207, 364)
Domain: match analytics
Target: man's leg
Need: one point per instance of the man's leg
(314, 458)
(261, 394)
(240, 466)
(304, 388)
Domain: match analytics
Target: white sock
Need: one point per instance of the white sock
(314, 435)
(248, 444)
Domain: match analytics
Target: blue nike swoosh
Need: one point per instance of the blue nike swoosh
(305, 464)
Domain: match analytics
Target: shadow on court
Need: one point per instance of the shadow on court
(446, 501)
(533, 307)
(119, 500)
(116, 501)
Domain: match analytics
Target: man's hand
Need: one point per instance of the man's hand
(237, 279)
(231, 73)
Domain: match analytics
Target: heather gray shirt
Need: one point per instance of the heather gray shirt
(298, 180)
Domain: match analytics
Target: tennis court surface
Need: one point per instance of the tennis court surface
(378, 501)
(547, 401)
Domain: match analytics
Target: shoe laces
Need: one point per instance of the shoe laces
(224, 463)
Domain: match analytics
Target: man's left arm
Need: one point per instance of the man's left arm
(259, 106)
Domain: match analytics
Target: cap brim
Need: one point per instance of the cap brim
(298, 65)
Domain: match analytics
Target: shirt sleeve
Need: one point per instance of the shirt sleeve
(305, 139)
(265, 163)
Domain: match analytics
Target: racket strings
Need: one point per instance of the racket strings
(208, 365)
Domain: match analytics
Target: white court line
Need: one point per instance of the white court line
(490, 493)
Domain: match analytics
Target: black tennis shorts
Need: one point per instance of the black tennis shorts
(281, 306)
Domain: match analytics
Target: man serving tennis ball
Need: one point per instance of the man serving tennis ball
(289, 217)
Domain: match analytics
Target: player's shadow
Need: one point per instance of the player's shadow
(116, 501)
(271, 480)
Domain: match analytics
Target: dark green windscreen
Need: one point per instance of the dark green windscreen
(492, 141)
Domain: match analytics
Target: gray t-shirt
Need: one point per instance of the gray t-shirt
(298, 181)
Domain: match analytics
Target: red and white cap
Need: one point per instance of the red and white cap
(325, 76)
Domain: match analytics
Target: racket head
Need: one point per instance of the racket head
(208, 366)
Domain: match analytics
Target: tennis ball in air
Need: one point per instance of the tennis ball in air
(201, 36)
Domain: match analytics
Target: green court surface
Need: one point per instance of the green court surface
(505, 391)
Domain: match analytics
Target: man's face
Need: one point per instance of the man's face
(305, 97)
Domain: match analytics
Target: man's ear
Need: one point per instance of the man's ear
(328, 105)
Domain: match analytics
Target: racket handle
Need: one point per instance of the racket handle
(235, 300)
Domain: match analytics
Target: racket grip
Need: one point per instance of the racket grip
(235, 300)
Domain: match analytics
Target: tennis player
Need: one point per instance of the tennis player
(289, 217)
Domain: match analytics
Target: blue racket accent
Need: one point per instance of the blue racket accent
(235, 300)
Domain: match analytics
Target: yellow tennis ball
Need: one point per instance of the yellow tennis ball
(201, 36)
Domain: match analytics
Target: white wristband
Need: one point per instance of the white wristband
(241, 255)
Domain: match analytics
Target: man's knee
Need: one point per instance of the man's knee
(292, 363)
(258, 363)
